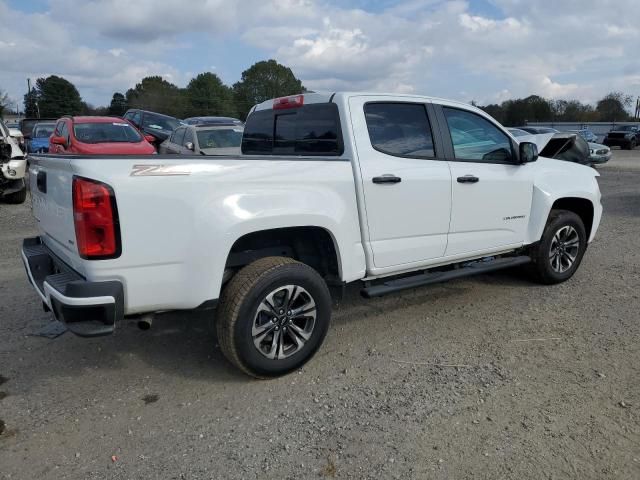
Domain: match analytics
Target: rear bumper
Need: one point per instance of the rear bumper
(88, 309)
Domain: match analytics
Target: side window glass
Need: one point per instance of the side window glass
(178, 136)
(58, 131)
(188, 137)
(475, 138)
(400, 129)
(64, 131)
(137, 119)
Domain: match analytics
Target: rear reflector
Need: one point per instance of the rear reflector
(96, 219)
(294, 101)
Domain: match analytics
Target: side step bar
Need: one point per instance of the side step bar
(471, 268)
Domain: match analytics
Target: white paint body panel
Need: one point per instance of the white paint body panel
(179, 221)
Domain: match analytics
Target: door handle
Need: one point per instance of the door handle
(468, 179)
(387, 178)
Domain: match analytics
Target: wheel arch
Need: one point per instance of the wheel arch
(313, 245)
(582, 207)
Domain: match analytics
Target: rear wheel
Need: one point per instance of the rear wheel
(273, 316)
(558, 254)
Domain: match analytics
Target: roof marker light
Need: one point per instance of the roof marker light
(293, 101)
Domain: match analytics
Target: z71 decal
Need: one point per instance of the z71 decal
(158, 170)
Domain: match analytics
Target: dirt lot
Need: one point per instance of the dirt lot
(547, 383)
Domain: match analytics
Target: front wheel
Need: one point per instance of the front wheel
(273, 316)
(558, 254)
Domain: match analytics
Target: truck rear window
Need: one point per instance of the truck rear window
(309, 130)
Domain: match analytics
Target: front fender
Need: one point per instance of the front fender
(555, 180)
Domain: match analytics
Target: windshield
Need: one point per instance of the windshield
(158, 122)
(626, 128)
(114, 132)
(42, 131)
(220, 138)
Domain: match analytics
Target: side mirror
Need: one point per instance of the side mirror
(150, 138)
(56, 140)
(189, 146)
(528, 152)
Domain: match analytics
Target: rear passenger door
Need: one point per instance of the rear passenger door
(405, 182)
(174, 145)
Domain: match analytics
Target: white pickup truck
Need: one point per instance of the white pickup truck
(393, 191)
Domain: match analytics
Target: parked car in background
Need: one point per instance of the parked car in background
(18, 136)
(157, 125)
(39, 142)
(27, 124)
(599, 154)
(98, 136)
(538, 130)
(623, 136)
(13, 166)
(212, 120)
(216, 139)
(587, 134)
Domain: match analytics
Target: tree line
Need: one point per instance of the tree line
(611, 108)
(206, 94)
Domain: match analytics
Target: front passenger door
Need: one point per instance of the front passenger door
(491, 193)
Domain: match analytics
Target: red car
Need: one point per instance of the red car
(98, 136)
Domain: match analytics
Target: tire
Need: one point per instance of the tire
(16, 197)
(632, 145)
(549, 268)
(247, 322)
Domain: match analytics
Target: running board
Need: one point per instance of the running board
(468, 269)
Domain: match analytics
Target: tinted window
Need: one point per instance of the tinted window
(310, 130)
(136, 118)
(476, 138)
(159, 122)
(42, 130)
(103, 132)
(220, 138)
(64, 131)
(58, 130)
(178, 136)
(400, 129)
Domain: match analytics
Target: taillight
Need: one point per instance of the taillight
(96, 219)
(294, 101)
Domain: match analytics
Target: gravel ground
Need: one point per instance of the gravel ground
(546, 382)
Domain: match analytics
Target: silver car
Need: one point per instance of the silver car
(599, 153)
(212, 139)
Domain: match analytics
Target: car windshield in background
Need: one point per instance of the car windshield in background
(42, 131)
(158, 122)
(220, 138)
(114, 132)
(626, 128)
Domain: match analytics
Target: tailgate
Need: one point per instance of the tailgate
(50, 182)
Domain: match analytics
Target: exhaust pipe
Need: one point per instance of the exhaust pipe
(145, 321)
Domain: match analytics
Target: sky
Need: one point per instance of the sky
(482, 50)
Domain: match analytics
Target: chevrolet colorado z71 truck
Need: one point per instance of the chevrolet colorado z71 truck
(393, 191)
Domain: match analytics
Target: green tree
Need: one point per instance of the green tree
(156, 94)
(31, 103)
(262, 81)
(57, 96)
(118, 104)
(207, 95)
(613, 107)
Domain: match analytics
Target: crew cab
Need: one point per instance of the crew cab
(391, 191)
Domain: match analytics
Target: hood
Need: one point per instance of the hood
(16, 151)
(116, 148)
